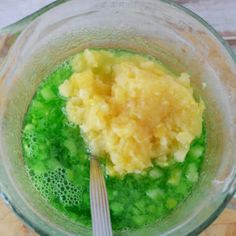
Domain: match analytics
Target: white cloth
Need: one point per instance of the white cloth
(14, 10)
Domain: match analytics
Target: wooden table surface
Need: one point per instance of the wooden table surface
(222, 16)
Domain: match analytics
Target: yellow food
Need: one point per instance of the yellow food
(131, 109)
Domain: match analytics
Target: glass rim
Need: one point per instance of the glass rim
(23, 24)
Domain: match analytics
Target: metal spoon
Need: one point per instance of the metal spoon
(101, 221)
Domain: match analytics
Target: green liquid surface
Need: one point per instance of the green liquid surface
(57, 161)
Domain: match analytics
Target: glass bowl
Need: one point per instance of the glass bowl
(179, 39)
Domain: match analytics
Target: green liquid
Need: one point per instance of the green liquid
(57, 161)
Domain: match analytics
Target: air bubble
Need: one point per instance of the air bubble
(46, 175)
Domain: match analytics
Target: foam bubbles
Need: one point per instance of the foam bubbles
(54, 185)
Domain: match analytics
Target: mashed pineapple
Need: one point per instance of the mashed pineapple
(131, 109)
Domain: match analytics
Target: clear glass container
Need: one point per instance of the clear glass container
(174, 35)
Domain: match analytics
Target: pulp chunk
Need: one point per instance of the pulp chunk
(131, 109)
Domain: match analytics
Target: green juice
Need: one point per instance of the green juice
(57, 161)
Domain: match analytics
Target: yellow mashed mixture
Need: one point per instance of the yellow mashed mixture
(131, 109)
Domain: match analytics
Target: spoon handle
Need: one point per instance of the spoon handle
(101, 221)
